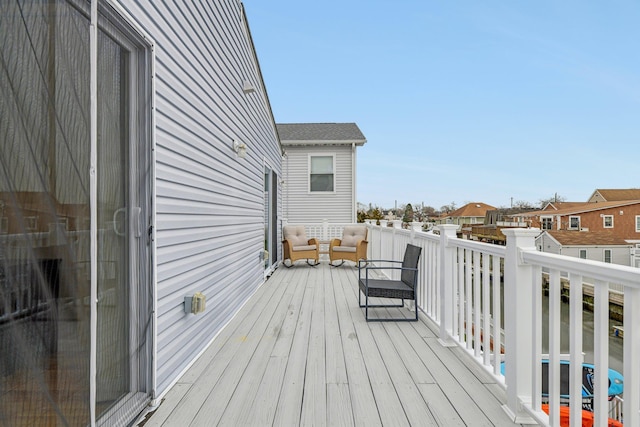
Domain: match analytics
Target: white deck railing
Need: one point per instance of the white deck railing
(464, 285)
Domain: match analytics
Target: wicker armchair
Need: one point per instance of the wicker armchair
(296, 246)
(352, 246)
(404, 289)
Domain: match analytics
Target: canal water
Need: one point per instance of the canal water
(615, 343)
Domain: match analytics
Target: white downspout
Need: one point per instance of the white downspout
(354, 201)
(93, 203)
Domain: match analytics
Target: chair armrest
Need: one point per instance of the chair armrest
(373, 267)
(383, 260)
(312, 241)
(366, 263)
(335, 242)
(361, 249)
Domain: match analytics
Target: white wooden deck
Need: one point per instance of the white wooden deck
(301, 353)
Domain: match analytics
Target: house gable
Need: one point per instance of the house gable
(612, 195)
(304, 143)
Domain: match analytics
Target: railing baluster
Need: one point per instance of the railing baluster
(477, 297)
(497, 313)
(486, 311)
(462, 297)
(601, 351)
(536, 370)
(575, 347)
(631, 405)
(554, 348)
(468, 293)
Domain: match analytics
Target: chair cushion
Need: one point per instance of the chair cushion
(344, 249)
(296, 235)
(383, 288)
(304, 248)
(352, 234)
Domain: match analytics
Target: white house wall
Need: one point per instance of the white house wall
(301, 206)
(210, 209)
(547, 244)
(619, 254)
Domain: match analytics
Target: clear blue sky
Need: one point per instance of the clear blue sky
(464, 101)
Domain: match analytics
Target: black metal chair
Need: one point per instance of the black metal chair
(404, 289)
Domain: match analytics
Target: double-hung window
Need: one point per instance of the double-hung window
(547, 222)
(637, 223)
(607, 221)
(574, 223)
(321, 173)
(607, 255)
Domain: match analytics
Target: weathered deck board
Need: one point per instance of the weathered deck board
(301, 353)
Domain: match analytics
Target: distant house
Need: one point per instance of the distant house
(471, 213)
(494, 222)
(617, 219)
(319, 171)
(622, 218)
(594, 245)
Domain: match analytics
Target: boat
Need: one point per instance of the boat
(616, 381)
(587, 417)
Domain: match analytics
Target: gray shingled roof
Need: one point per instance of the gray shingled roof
(587, 238)
(320, 132)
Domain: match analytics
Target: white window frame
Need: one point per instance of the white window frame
(333, 166)
(609, 253)
(547, 219)
(637, 223)
(582, 254)
(571, 218)
(604, 221)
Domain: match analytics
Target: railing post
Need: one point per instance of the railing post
(447, 287)
(325, 229)
(518, 322)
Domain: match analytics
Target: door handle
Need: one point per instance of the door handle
(115, 221)
(136, 212)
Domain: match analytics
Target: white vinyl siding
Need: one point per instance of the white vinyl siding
(302, 206)
(546, 243)
(210, 208)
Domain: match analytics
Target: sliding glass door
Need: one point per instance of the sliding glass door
(45, 214)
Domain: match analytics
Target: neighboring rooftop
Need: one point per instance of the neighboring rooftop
(564, 205)
(612, 195)
(576, 208)
(320, 133)
(473, 209)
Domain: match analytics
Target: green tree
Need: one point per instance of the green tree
(408, 213)
(375, 214)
